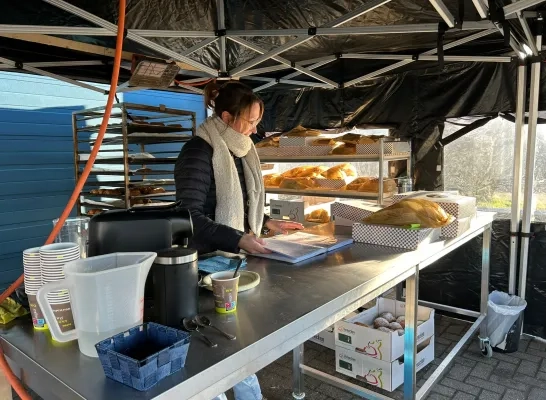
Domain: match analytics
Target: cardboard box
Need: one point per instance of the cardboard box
(388, 147)
(326, 338)
(294, 141)
(352, 210)
(381, 374)
(334, 184)
(458, 206)
(377, 344)
(291, 210)
(456, 228)
(399, 196)
(394, 236)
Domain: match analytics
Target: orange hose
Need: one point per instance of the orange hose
(14, 382)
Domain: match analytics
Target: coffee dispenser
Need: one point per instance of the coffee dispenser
(141, 229)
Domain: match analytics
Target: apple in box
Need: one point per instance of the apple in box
(358, 333)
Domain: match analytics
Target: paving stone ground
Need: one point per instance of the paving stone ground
(516, 376)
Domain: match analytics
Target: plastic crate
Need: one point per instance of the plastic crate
(143, 355)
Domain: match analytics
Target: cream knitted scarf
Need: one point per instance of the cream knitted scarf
(229, 196)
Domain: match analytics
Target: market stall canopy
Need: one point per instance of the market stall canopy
(423, 45)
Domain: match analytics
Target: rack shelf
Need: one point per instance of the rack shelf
(333, 158)
(342, 194)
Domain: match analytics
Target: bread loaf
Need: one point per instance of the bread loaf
(323, 142)
(409, 212)
(269, 142)
(371, 185)
(272, 180)
(304, 172)
(300, 131)
(319, 216)
(298, 183)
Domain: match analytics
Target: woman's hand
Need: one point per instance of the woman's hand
(282, 226)
(252, 244)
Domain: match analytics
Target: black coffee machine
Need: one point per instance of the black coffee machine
(147, 229)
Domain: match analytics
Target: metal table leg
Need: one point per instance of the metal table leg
(410, 338)
(485, 346)
(298, 390)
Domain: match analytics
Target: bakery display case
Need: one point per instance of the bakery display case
(136, 160)
(315, 148)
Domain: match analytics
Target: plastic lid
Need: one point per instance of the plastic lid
(175, 255)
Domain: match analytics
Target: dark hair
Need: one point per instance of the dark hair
(233, 96)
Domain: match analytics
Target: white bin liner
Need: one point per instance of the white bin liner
(502, 311)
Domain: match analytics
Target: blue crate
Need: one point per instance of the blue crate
(144, 374)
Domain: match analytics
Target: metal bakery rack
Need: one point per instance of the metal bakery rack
(135, 164)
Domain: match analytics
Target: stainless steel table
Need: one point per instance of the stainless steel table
(425, 256)
(291, 304)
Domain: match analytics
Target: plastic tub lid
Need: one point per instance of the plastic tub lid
(175, 256)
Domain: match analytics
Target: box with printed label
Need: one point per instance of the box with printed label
(394, 236)
(357, 333)
(326, 338)
(382, 374)
(352, 210)
(456, 228)
(289, 210)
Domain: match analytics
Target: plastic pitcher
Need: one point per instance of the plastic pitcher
(106, 295)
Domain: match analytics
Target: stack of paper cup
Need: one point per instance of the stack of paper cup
(53, 258)
(33, 282)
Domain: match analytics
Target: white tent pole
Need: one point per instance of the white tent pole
(515, 219)
(528, 33)
(529, 168)
(282, 60)
(280, 67)
(50, 75)
(444, 12)
(429, 52)
(286, 78)
(367, 7)
(495, 59)
(481, 7)
(145, 42)
(222, 29)
(50, 64)
(520, 6)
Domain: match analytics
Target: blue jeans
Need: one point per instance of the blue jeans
(247, 389)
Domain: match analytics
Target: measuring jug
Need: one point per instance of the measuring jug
(106, 295)
(76, 230)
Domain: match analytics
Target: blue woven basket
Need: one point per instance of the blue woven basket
(115, 353)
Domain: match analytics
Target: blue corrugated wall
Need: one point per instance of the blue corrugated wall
(36, 155)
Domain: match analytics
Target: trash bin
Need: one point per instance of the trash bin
(504, 318)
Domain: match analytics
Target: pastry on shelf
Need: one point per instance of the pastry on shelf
(134, 192)
(151, 190)
(304, 172)
(268, 142)
(341, 171)
(298, 183)
(371, 185)
(344, 149)
(272, 180)
(319, 216)
(369, 139)
(408, 212)
(350, 138)
(300, 131)
(323, 142)
(94, 211)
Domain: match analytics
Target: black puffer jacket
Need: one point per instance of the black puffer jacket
(196, 189)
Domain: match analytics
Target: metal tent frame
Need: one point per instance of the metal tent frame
(527, 52)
